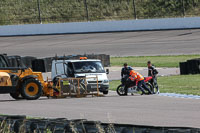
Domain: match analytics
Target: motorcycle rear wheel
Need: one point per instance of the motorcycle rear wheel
(150, 87)
(121, 90)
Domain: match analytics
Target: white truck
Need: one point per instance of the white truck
(89, 68)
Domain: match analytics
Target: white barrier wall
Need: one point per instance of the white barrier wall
(101, 26)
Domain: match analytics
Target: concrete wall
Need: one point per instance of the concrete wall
(101, 26)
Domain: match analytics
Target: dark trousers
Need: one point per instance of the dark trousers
(142, 85)
(154, 83)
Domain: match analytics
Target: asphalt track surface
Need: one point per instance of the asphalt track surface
(115, 44)
(139, 110)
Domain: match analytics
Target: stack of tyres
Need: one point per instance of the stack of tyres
(48, 63)
(36, 125)
(106, 60)
(58, 125)
(42, 65)
(18, 124)
(183, 68)
(194, 66)
(27, 60)
(93, 127)
(11, 123)
(103, 57)
(179, 131)
(12, 60)
(38, 65)
(190, 67)
(77, 125)
(103, 60)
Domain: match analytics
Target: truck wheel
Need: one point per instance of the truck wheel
(31, 89)
(16, 95)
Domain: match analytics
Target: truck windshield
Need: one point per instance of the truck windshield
(88, 67)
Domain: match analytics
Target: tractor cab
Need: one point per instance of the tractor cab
(3, 61)
(18, 80)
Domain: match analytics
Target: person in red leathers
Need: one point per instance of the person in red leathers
(135, 76)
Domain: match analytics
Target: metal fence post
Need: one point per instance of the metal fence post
(39, 12)
(183, 8)
(134, 9)
(86, 10)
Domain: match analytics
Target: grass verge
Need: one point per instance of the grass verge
(158, 61)
(182, 84)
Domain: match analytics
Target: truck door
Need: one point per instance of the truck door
(61, 70)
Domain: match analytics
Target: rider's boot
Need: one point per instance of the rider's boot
(158, 92)
(126, 91)
(150, 92)
(143, 92)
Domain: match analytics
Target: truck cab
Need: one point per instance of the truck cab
(90, 68)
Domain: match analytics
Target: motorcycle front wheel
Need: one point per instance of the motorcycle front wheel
(121, 90)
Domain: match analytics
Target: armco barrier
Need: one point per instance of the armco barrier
(101, 26)
(17, 124)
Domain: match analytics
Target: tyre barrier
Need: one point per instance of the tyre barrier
(20, 124)
(38, 65)
(27, 60)
(12, 60)
(44, 64)
(190, 67)
(183, 68)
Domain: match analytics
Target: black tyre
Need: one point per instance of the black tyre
(16, 95)
(105, 92)
(150, 87)
(121, 90)
(155, 90)
(31, 89)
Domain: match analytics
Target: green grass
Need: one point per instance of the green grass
(158, 61)
(182, 84)
(114, 84)
(53, 11)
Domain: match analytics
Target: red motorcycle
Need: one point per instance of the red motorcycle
(131, 86)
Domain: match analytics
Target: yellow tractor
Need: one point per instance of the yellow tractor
(21, 82)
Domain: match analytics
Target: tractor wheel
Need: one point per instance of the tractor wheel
(16, 95)
(31, 89)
